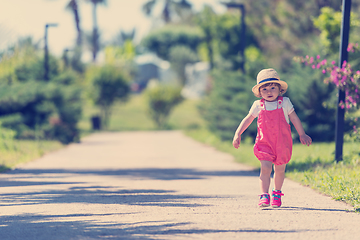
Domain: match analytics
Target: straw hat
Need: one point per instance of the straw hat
(268, 76)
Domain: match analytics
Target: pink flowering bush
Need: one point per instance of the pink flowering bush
(344, 78)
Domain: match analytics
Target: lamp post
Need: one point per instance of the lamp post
(344, 42)
(46, 51)
(243, 30)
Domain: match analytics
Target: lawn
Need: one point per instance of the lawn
(16, 152)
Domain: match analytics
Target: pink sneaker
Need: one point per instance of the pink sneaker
(264, 200)
(276, 198)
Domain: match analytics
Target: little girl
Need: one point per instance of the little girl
(273, 144)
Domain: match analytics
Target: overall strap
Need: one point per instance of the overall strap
(262, 104)
(280, 101)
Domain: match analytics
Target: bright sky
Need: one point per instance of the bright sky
(28, 18)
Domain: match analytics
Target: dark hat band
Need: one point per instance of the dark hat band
(268, 79)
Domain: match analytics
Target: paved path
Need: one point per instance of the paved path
(156, 185)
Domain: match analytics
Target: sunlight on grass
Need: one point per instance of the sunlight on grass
(24, 151)
(133, 116)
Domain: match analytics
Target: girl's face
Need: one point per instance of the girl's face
(270, 92)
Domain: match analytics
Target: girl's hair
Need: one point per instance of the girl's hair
(270, 84)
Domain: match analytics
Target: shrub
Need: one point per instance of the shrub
(162, 99)
(109, 84)
(162, 40)
(228, 103)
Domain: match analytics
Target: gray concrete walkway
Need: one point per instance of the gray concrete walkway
(156, 185)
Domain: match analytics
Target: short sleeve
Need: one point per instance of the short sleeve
(255, 109)
(289, 108)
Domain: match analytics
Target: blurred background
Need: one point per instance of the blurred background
(72, 67)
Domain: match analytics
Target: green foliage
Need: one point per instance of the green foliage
(228, 103)
(329, 23)
(162, 40)
(162, 99)
(285, 28)
(67, 100)
(223, 38)
(179, 57)
(7, 139)
(109, 84)
(35, 108)
(206, 19)
(313, 101)
(228, 35)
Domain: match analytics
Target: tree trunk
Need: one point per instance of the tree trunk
(95, 37)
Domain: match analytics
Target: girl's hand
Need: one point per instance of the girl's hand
(236, 141)
(305, 139)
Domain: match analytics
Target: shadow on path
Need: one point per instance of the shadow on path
(149, 173)
(102, 195)
(40, 227)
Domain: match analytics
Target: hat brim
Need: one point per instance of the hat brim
(283, 85)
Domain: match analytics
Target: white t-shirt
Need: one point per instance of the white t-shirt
(287, 107)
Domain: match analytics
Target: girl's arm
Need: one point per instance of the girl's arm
(245, 123)
(304, 139)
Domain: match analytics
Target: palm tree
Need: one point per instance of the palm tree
(170, 8)
(95, 34)
(73, 6)
(123, 36)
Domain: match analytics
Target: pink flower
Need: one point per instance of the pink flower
(313, 66)
(318, 56)
(333, 62)
(343, 80)
(323, 71)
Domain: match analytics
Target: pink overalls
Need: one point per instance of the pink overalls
(273, 141)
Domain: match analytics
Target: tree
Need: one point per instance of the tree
(162, 40)
(170, 8)
(180, 56)
(162, 99)
(73, 6)
(207, 21)
(122, 37)
(228, 103)
(109, 85)
(285, 28)
(95, 33)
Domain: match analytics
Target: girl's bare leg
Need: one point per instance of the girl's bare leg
(279, 176)
(265, 173)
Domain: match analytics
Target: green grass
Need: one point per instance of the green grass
(22, 151)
